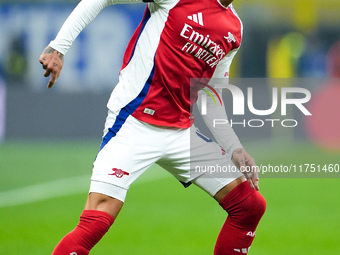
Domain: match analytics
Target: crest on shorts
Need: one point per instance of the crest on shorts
(119, 173)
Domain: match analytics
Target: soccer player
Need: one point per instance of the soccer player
(150, 119)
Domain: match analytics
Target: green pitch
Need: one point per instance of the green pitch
(44, 185)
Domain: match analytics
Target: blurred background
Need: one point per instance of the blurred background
(49, 138)
(290, 39)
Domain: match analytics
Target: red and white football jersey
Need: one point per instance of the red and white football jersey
(176, 40)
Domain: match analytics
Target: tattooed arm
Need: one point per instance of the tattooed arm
(81, 16)
(52, 56)
(52, 62)
(226, 137)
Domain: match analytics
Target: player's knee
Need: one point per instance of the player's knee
(101, 202)
(254, 208)
(248, 212)
(257, 205)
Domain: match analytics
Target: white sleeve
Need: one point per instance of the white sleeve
(81, 16)
(223, 133)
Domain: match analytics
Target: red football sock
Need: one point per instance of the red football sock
(245, 207)
(91, 228)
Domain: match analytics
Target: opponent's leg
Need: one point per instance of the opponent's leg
(245, 207)
(99, 214)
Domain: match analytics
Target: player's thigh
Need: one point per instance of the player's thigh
(194, 158)
(127, 152)
(211, 167)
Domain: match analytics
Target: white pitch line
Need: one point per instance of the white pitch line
(44, 191)
(54, 189)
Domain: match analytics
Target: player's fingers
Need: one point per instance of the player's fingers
(252, 169)
(50, 84)
(43, 63)
(256, 184)
(251, 183)
(52, 80)
(251, 175)
(49, 68)
(255, 178)
(247, 173)
(47, 72)
(42, 59)
(243, 167)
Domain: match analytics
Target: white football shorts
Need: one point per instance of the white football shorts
(131, 146)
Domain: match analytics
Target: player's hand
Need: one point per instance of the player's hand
(52, 62)
(247, 166)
